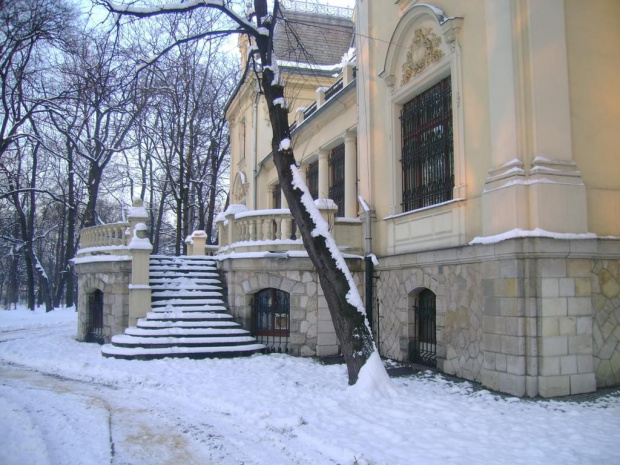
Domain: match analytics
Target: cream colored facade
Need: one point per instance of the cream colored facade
(536, 159)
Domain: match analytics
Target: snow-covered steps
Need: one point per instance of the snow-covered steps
(188, 318)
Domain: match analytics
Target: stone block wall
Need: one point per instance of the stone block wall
(529, 317)
(458, 306)
(311, 328)
(605, 289)
(112, 278)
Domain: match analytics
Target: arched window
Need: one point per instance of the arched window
(271, 318)
(423, 347)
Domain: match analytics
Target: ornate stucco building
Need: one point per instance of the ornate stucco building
(470, 150)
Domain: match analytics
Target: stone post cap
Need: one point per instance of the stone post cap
(140, 239)
(199, 233)
(235, 208)
(137, 210)
(299, 115)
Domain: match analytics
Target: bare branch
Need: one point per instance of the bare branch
(144, 12)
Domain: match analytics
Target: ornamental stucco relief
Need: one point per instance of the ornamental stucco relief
(423, 52)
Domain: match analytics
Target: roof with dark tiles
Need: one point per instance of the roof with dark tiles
(312, 38)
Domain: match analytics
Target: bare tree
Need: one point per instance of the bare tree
(30, 31)
(343, 300)
(183, 136)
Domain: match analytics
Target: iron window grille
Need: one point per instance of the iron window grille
(336, 187)
(428, 148)
(95, 318)
(271, 319)
(424, 350)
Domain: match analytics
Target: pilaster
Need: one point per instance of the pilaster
(323, 174)
(350, 176)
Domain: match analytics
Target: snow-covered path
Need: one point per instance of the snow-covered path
(57, 420)
(61, 402)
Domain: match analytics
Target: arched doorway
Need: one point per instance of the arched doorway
(95, 318)
(271, 319)
(423, 342)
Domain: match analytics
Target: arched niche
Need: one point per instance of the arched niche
(240, 188)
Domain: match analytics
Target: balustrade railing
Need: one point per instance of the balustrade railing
(275, 230)
(105, 235)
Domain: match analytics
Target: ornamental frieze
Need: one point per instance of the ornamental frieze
(423, 52)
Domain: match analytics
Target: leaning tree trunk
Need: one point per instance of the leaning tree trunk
(350, 323)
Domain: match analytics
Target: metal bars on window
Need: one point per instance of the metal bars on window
(336, 185)
(425, 342)
(427, 148)
(95, 318)
(271, 319)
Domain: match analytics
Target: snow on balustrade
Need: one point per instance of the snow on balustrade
(109, 236)
(275, 229)
(263, 225)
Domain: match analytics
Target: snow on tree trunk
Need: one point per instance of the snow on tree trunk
(343, 300)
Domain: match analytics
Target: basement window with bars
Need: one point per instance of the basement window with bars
(336, 185)
(428, 148)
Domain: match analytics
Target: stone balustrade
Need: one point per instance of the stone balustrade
(105, 235)
(275, 230)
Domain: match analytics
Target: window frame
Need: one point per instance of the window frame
(422, 167)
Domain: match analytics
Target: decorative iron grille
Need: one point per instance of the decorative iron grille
(336, 187)
(424, 349)
(271, 319)
(334, 89)
(95, 318)
(428, 152)
(312, 179)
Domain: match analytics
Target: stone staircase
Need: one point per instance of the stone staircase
(188, 316)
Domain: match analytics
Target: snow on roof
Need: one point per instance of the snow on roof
(312, 38)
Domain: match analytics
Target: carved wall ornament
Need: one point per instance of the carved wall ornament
(240, 187)
(423, 52)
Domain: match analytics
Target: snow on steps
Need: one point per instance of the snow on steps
(188, 316)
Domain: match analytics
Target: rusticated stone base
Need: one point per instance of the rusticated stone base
(311, 327)
(529, 317)
(112, 278)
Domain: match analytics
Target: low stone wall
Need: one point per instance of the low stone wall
(112, 278)
(531, 316)
(311, 327)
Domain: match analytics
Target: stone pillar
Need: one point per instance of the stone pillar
(551, 121)
(136, 214)
(323, 174)
(350, 175)
(199, 238)
(529, 118)
(503, 197)
(348, 73)
(139, 290)
(320, 97)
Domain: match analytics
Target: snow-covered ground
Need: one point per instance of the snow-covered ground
(61, 402)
